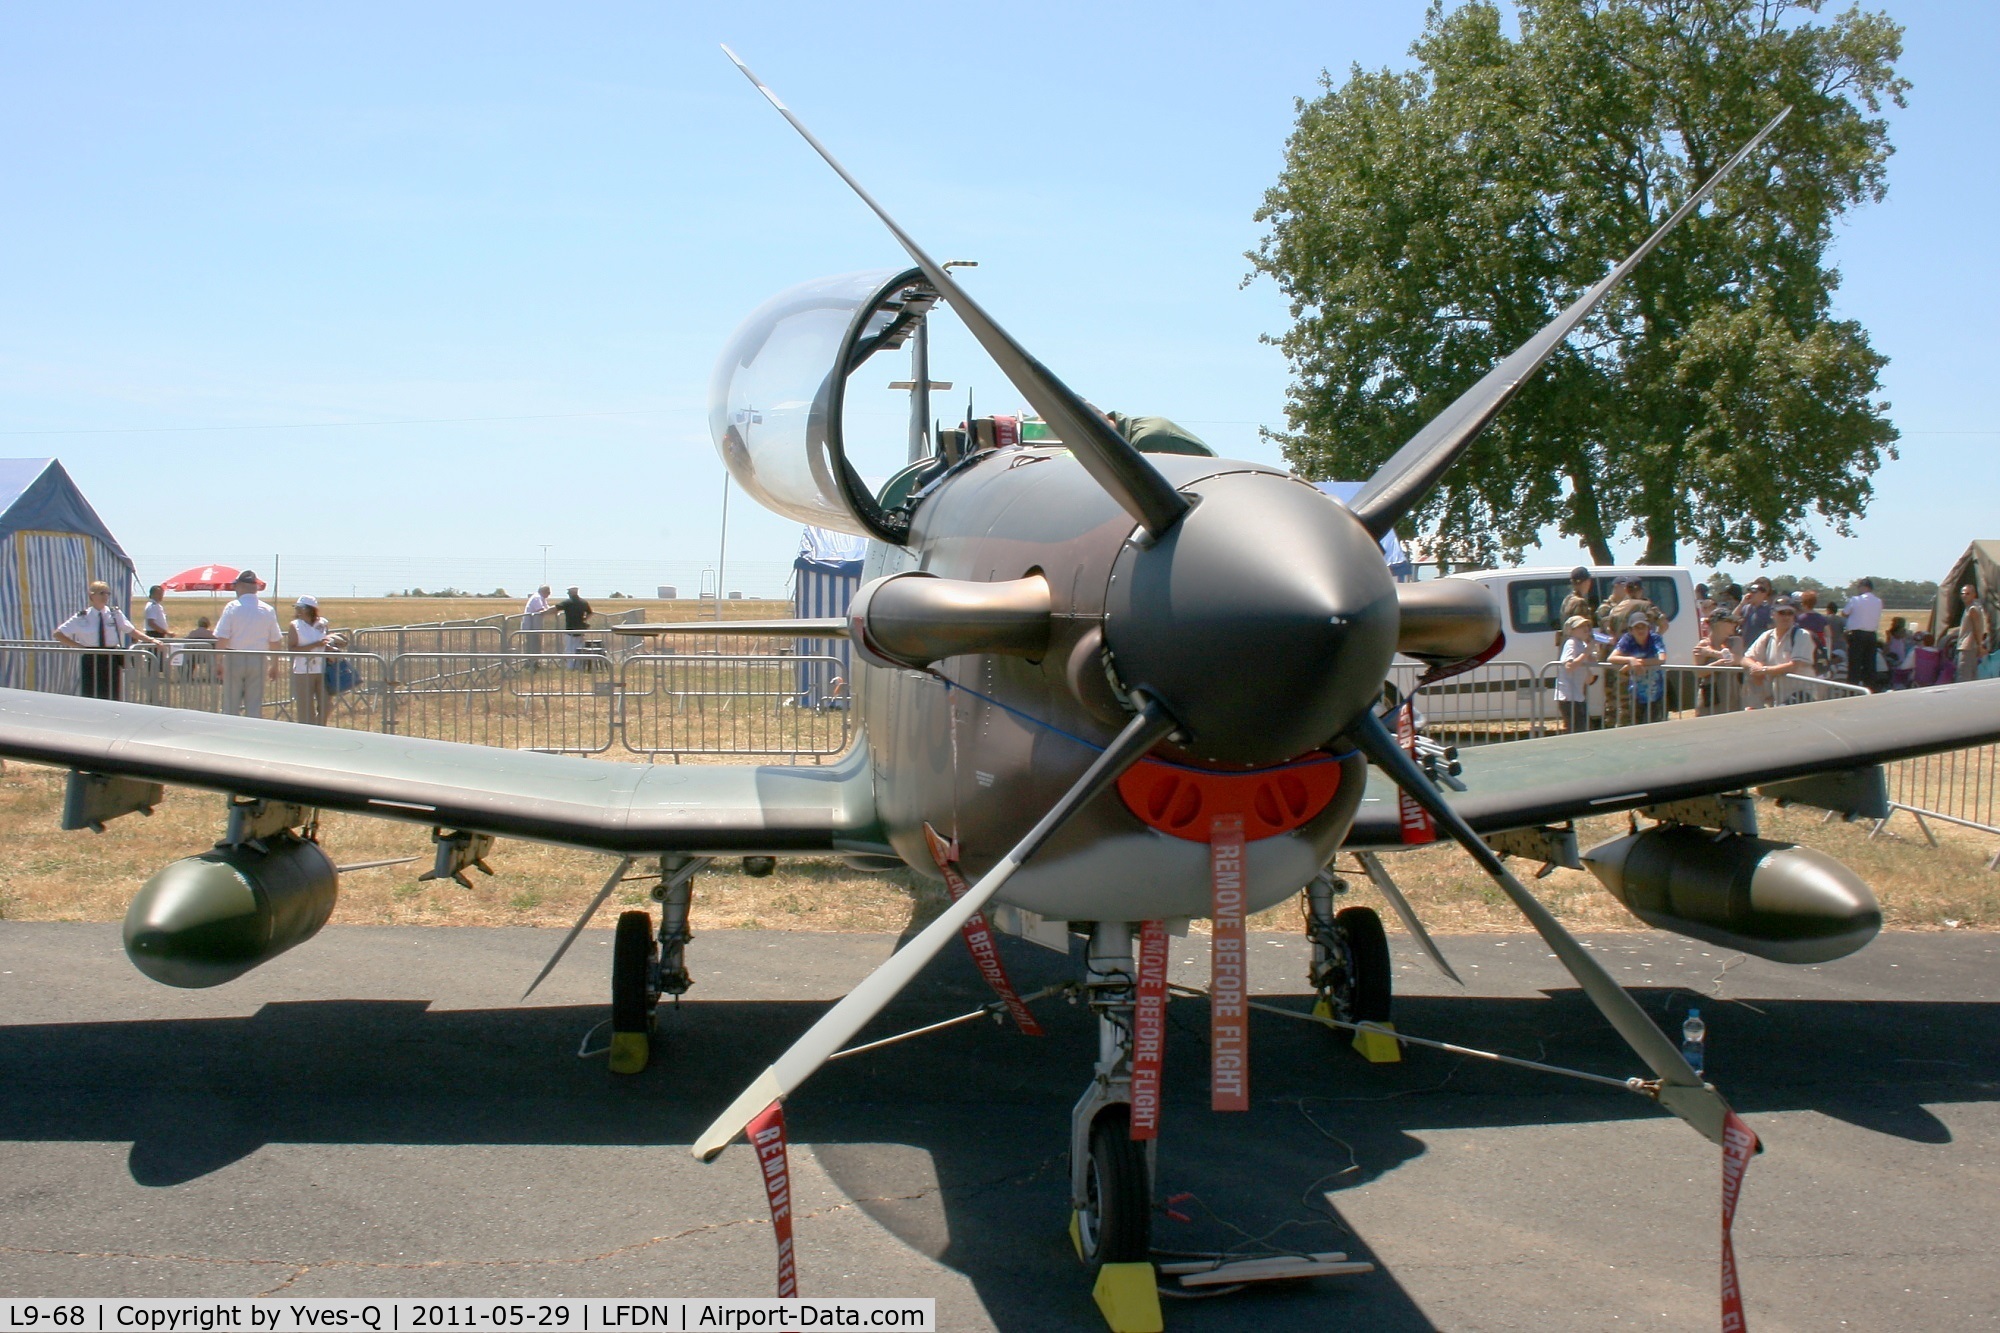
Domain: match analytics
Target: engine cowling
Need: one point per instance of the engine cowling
(207, 919)
(1776, 900)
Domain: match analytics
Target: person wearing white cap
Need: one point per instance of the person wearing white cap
(308, 639)
(247, 626)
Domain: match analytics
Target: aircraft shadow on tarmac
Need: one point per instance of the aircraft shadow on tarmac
(987, 1108)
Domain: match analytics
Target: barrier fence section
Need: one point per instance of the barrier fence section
(558, 705)
(445, 637)
(192, 676)
(685, 703)
(1957, 787)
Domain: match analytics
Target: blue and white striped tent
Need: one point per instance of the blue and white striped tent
(52, 547)
(825, 578)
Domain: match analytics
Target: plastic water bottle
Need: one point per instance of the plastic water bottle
(1694, 1035)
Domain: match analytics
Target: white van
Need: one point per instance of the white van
(1512, 687)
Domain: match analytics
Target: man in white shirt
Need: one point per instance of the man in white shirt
(247, 626)
(1864, 620)
(533, 616)
(155, 614)
(100, 626)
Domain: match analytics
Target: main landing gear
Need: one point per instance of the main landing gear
(645, 966)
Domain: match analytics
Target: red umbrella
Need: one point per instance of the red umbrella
(205, 578)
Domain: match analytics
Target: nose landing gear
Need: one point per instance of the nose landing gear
(1350, 967)
(1111, 1177)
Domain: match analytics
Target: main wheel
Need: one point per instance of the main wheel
(1367, 949)
(634, 954)
(1115, 1225)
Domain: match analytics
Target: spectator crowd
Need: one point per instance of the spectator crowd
(1758, 637)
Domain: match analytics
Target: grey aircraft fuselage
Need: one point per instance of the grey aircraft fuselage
(957, 760)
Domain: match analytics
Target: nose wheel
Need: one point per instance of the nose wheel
(1350, 966)
(1114, 1220)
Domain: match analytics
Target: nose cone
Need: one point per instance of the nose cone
(1815, 905)
(195, 924)
(1264, 620)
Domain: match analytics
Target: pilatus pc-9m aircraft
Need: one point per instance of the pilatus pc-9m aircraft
(1104, 686)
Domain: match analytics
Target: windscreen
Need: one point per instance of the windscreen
(768, 401)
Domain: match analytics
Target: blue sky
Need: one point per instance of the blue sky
(405, 293)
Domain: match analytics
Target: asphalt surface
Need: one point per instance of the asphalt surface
(376, 1114)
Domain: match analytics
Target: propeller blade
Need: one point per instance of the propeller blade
(617, 878)
(1112, 462)
(1390, 889)
(1399, 484)
(839, 1024)
(1681, 1089)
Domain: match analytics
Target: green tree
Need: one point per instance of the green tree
(1427, 221)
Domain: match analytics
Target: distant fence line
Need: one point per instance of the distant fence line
(772, 705)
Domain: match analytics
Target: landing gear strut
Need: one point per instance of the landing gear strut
(1110, 1176)
(1350, 957)
(643, 967)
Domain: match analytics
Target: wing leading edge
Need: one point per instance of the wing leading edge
(613, 807)
(1554, 778)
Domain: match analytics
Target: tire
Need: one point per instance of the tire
(1368, 954)
(1116, 1225)
(632, 958)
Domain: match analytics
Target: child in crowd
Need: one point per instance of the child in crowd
(1718, 691)
(1899, 654)
(1574, 673)
(1924, 661)
(1640, 654)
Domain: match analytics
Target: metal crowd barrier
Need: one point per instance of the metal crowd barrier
(444, 637)
(558, 705)
(1501, 701)
(763, 705)
(1959, 787)
(189, 674)
(1506, 701)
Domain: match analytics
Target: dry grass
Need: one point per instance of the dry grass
(54, 876)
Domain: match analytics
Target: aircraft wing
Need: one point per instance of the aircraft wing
(1520, 784)
(597, 804)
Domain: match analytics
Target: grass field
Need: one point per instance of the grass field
(49, 875)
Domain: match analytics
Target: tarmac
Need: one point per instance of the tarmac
(376, 1113)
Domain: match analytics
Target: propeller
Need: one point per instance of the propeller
(1680, 1088)
(839, 1024)
(1249, 626)
(1401, 483)
(1109, 457)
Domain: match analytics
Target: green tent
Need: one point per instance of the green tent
(1980, 567)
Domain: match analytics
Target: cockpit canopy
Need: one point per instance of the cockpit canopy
(775, 402)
